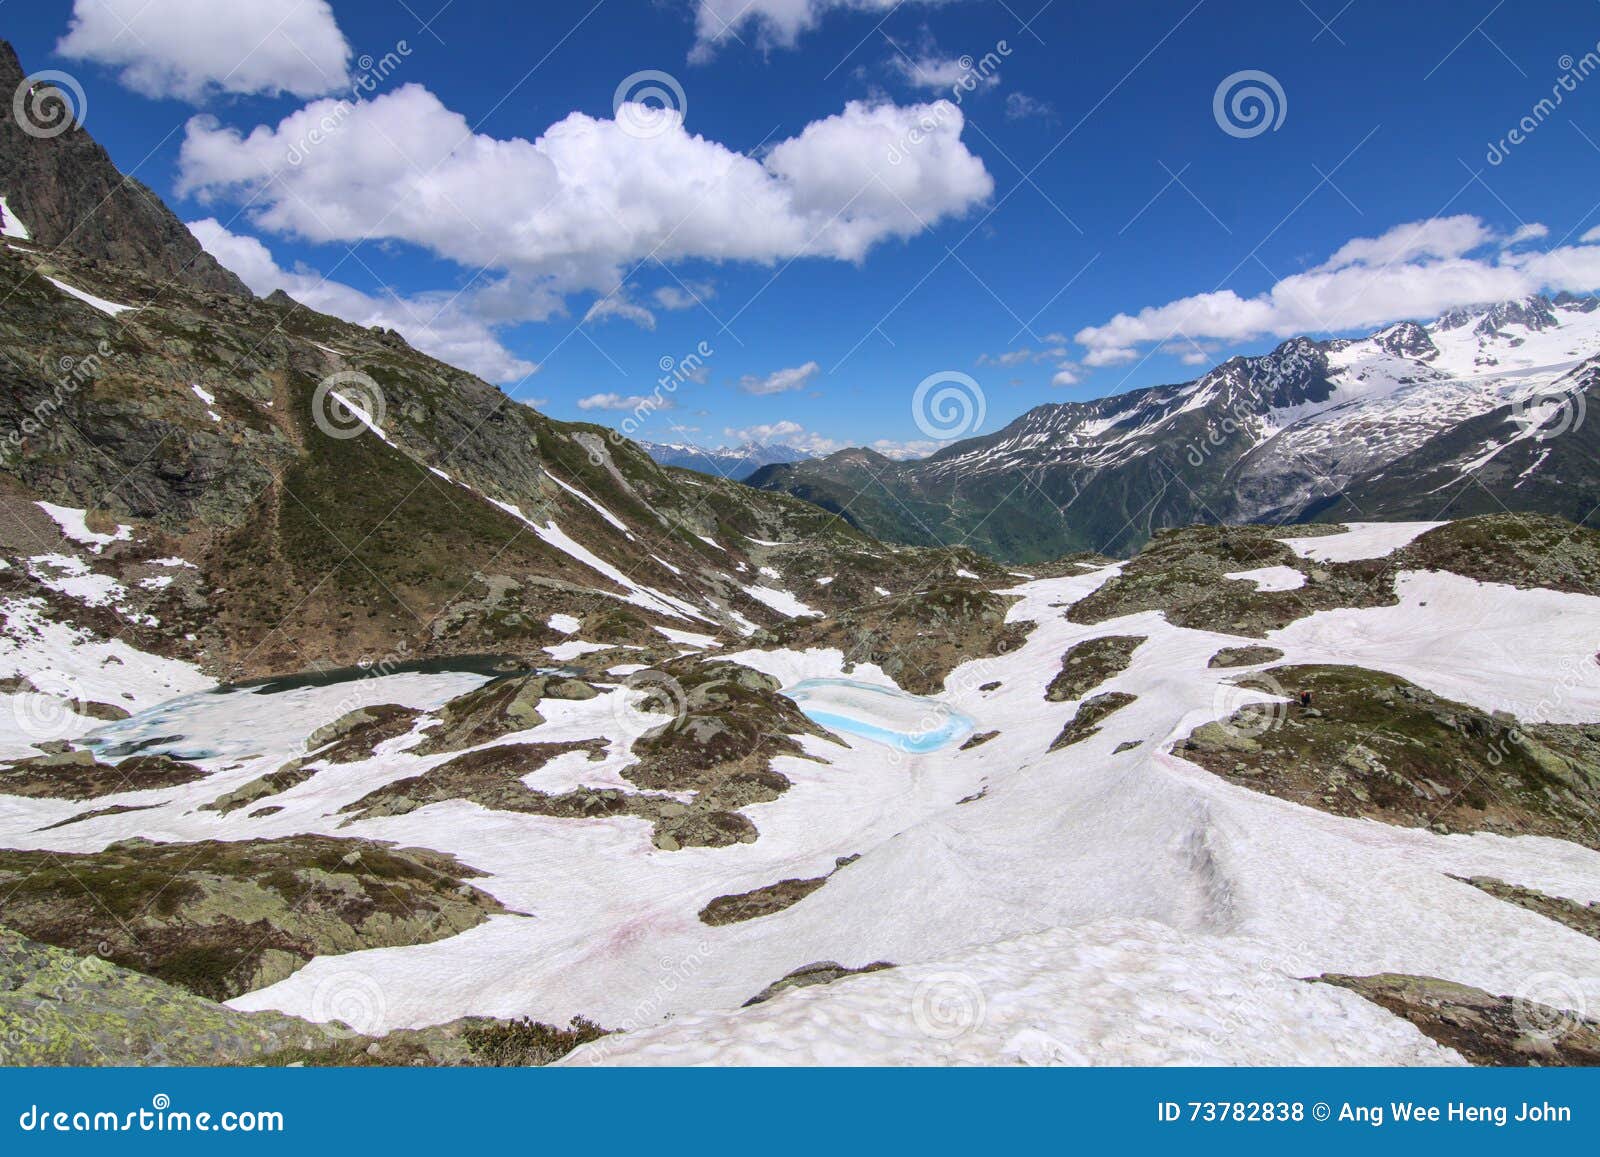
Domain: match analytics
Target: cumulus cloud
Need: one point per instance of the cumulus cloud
(780, 381)
(621, 402)
(1065, 376)
(1416, 270)
(189, 49)
(784, 433)
(450, 327)
(1436, 237)
(1532, 231)
(572, 210)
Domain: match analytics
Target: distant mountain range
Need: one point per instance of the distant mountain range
(732, 462)
(1479, 412)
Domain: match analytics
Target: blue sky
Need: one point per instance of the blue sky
(1086, 176)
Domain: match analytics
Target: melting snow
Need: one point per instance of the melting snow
(1361, 540)
(1271, 578)
(11, 225)
(109, 308)
(781, 601)
(74, 524)
(600, 510)
(566, 624)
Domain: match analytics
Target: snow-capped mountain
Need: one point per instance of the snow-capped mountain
(734, 462)
(1479, 411)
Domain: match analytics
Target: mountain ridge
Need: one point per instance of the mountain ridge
(1313, 430)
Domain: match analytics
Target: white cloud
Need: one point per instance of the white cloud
(1417, 270)
(618, 306)
(1022, 356)
(942, 73)
(780, 381)
(1591, 235)
(1435, 237)
(1021, 106)
(777, 23)
(683, 296)
(571, 210)
(620, 402)
(1065, 376)
(784, 433)
(1532, 231)
(189, 49)
(449, 327)
(903, 451)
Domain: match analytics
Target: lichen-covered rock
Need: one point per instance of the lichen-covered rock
(1090, 663)
(220, 918)
(79, 775)
(1486, 1029)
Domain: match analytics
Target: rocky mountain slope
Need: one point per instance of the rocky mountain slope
(256, 488)
(60, 183)
(1481, 411)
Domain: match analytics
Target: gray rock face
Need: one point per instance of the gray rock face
(68, 193)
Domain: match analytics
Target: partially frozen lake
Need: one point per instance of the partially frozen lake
(911, 723)
(236, 721)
